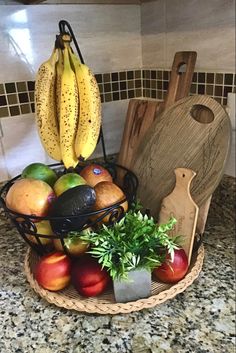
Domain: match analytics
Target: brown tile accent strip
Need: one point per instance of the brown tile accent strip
(15, 110)
(31, 96)
(10, 87)
(15, 98)
(2, 90)
(21, 86)
(217, 85)
(12, 99)
(121, 85)
(4, 112)
(25, 108)
(3, 101)
(18, 97)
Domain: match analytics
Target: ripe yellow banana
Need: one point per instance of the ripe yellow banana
(45, 107)
(89, 109)
(68, 113)
(59, 70)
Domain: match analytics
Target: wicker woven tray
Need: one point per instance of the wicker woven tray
(105, 303)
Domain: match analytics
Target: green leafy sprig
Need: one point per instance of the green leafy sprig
(136, 241)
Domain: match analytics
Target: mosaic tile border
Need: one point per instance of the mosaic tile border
(17, 98)
(216, 85)
(120, 85)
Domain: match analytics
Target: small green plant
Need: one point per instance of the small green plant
(135, 242)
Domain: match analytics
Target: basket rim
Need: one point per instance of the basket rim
(87, 306)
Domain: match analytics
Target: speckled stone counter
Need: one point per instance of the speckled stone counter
(199, 320)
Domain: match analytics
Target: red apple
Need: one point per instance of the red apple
(53, 271)
(94, 174)
(172, 272)
(88, 277)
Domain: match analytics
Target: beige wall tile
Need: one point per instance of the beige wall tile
(205, 26)
(114, 115)
(21, 149)
(230, 167)
(3, 171)
(109, 37)
(214, 53)
(153, 17)
(192, 15)
(153, 34)
(154, 48)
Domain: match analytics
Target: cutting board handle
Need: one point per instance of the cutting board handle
(180, 205)
(184, 178)
(181, 76)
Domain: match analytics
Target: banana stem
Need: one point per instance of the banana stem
(66, 59)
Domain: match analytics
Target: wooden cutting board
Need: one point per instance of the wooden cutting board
(181, 76)
(193, 133)
(141, 113)
(140, 116)
(180, 205)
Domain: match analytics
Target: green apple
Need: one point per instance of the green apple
(68, 181)
(40, 171)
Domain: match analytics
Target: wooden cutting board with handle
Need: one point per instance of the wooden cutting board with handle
(141, 113)
(193, 133)
(180, 205)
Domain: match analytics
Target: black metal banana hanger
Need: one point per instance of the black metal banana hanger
(65, 28)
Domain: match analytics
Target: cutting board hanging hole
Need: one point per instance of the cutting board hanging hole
(202, 114)
(182, 68)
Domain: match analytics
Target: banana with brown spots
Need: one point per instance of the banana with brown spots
(68, 113)
(89, 110)
(59, 70)
(45, 107)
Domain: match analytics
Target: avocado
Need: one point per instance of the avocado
(72, 202)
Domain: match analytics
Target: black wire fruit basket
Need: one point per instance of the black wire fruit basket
(124, 178)
(27, 224)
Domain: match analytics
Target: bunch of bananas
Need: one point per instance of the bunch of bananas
(67, 107)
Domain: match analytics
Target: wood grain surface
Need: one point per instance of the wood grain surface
(180, 205)
(141, 113)
(178, 138)
(181, 76)
(140, 116)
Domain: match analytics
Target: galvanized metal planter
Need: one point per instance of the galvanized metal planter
(137, 286)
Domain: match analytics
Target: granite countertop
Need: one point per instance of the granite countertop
(199, 320)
